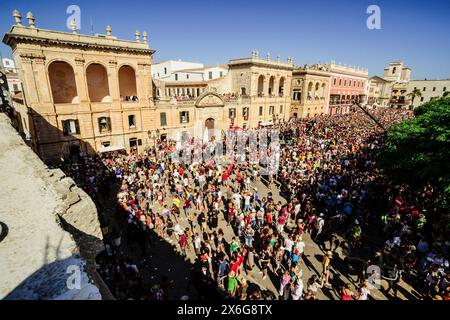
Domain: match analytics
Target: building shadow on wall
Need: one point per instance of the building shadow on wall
(142, 263)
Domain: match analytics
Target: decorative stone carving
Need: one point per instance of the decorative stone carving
(18, 17)
(137, 35)
(39, 59)
(73, 26)
(145, 37)
(209, 99)
(79, 61)
(31, 19)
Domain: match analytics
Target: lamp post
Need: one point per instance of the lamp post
(153, 134)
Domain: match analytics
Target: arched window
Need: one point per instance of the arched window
(260, 85)
(62, 82)
(271, 85)
(281, 87)
(97, 81)
(310, 88)
(127, 84)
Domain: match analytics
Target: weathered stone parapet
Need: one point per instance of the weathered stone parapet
(48, 217)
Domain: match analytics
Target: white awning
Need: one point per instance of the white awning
(110, 149)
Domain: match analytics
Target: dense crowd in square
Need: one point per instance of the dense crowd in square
(334, 193)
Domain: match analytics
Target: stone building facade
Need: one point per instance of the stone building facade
(429, 90)
(310, 91)
(83, 93)
(379, 92)
(96, 93)
(254, 92)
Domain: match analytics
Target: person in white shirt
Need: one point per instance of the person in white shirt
(288, 244)
(297, 292)
(320, 222)
(364, 291)
(300, 246)
(237, 200)
(197, 243)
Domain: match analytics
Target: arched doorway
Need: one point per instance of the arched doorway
(210, 128)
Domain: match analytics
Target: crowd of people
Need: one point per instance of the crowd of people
(215, 214)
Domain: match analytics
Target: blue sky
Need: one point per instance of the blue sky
(212, 31)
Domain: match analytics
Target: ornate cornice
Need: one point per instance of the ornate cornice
(11, 38)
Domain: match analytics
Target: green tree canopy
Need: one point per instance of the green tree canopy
(417, 151)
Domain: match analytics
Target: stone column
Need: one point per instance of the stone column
(29, 83)
(40, 75)
(266, 85)
(145, 85)
(113, 81)
(80, 79)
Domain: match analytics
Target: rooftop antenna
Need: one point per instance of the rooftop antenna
(92, 26)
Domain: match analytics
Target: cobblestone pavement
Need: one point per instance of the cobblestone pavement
(164, 258)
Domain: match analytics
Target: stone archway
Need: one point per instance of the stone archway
(209, 116)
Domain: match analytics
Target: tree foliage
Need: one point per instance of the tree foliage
(417, 151)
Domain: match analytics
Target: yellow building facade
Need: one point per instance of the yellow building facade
(310, 92)
(96, 93)
(83, 93)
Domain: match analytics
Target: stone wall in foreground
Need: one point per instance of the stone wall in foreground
(51, 225)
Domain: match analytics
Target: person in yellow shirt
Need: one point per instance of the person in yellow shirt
(176, 203)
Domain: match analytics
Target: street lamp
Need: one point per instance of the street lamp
(153, 134)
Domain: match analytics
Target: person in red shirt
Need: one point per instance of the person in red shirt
(269, 217)
(224, 177)
(281, 222)
(231, 212)
(138, 214)
(235, 266)
(183, 243)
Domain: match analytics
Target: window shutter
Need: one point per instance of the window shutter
(64, 126)
(77, 126)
